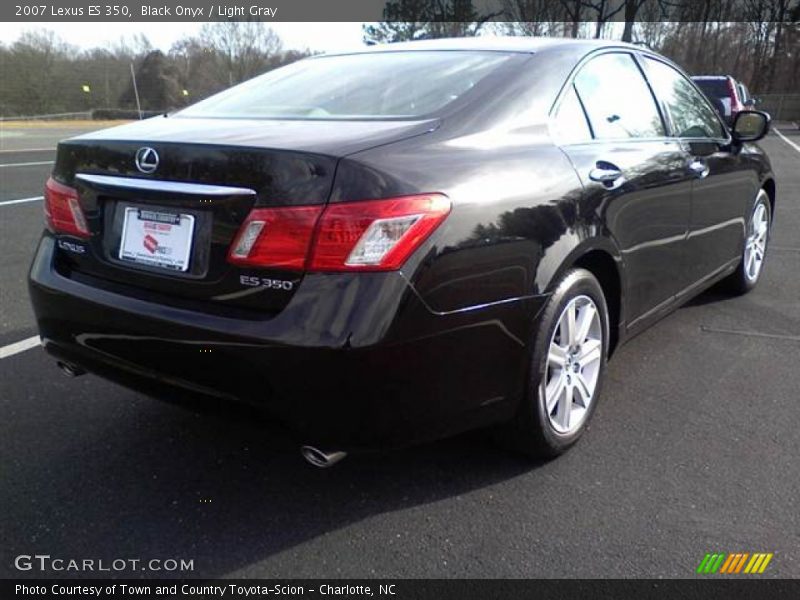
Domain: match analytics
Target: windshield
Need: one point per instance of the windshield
(371, 85)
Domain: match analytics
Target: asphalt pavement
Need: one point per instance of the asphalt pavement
(694, 448)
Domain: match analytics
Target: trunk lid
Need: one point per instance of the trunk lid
(207, 174)
(333, 138)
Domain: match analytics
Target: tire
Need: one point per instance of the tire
(548, 422)
(747, 274)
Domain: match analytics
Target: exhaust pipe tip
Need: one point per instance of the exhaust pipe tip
(69, 369)
(320, 458)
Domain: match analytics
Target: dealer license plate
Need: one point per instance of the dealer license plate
(157, 238)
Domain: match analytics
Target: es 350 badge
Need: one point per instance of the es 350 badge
(275, 284)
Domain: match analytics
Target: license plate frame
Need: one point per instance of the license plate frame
(157, 238)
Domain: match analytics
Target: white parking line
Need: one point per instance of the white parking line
(787, 140)
(21, 200)
(20, 346)
(27, 164)
(6, 150)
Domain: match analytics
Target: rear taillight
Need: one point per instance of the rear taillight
(62, 211)
(375, 235)
(371, 235)
(275, 237)
(736, 106)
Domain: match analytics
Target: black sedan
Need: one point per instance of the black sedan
(398, 244)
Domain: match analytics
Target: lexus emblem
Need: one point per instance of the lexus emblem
(146, 159)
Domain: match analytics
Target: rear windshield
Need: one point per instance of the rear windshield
(714, 88)
(370, 85)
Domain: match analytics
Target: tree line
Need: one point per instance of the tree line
(756, 41)
(44, 75)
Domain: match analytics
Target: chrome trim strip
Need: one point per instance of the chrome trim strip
(158, 185)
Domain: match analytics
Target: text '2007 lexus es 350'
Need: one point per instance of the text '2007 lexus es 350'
(399, 244)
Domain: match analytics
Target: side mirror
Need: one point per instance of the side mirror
(750, 102)
(750, 125)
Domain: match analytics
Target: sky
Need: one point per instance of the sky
(322, 37)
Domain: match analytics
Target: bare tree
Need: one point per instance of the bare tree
(242, 48)
(605, 10)
(30, 69)
(632, 8)
(404, 20)
(530, 17)
(157, 84)
(780, 11)
(573, 10)
(423, 19)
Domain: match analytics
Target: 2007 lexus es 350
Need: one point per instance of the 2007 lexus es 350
(405, 242)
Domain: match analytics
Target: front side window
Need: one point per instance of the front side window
(357, 86)
(691, 115)
(618, 101)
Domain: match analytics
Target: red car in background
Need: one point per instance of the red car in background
(727, 94)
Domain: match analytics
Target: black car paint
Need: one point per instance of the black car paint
(375, 359)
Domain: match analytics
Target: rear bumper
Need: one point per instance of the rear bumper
(352, 360)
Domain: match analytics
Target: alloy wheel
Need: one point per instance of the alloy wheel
(756, 243)
(573, 365)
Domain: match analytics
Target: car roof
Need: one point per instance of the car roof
(520, 44)
(711, 77)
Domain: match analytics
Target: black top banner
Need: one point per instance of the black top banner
(191, 10)
(33, 11)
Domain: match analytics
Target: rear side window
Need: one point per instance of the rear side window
(570, 125)
(618, 101)
(689, 111)
(714, 88)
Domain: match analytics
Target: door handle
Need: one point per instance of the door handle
(606, 173)
(699, 168)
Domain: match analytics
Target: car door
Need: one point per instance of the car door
(632, 172)
(721, 188)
